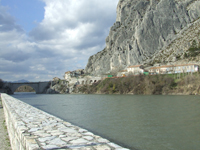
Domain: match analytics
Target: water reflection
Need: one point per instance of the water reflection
(139, 122)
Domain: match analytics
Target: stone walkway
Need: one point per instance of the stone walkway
(4, 139)
(36, 129)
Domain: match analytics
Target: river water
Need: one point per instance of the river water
(136, 122)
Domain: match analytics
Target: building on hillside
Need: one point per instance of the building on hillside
(74, 74)
(56, 79)
(137, 69)
(161, 69)
(68, 75)
(122, 73)
(77, 73)
(186, 68)
(169, 69)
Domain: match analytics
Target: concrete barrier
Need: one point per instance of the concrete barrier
(32, 129)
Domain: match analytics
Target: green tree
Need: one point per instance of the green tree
(194, 49)
(1, 83)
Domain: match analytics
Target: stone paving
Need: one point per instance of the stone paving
(40, 130)
(4, 139)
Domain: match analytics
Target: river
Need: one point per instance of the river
(152, 122)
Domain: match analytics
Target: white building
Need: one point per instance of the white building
(169, 69)
(137, 69)
(67, 75)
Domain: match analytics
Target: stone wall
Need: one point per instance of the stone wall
(32, 129)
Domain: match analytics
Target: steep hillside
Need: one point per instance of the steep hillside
(148, 32)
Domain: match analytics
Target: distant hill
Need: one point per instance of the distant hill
(20, 81)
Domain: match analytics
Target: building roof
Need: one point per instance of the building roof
(134, 66)
(123, 71)
(67, 72)
(185, 65)
(162, 67)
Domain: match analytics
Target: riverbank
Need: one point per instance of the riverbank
(31, 128)
(177, 84)
(134, 121)
(4, 139)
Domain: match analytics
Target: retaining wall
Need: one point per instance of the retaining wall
(31, 129)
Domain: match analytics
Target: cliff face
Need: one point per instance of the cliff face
(147, 31)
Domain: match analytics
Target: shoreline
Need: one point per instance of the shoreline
(174, 94)
(41, 130)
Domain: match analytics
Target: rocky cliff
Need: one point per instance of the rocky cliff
(148, 32)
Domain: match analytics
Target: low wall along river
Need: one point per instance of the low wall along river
(31, 129)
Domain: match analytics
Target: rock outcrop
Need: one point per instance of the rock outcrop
(148, 32)
(59, 87)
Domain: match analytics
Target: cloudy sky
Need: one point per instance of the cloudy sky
(42, 39)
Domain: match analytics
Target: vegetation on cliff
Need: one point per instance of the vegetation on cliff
(194, 50)
(155, 84)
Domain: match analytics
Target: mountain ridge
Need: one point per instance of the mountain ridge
(148, 32)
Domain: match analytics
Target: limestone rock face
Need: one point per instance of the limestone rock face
(145, 30)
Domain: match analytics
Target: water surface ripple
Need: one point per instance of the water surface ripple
(137, 122)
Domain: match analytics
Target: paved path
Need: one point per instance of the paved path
(4, 139)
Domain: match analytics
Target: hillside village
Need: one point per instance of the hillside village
(78, 77)
(132, 77)
(144, 41)
(166, 69)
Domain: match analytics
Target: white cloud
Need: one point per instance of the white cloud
(71, 31)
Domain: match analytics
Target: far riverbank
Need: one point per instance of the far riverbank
(138, 122)
(177, 84)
